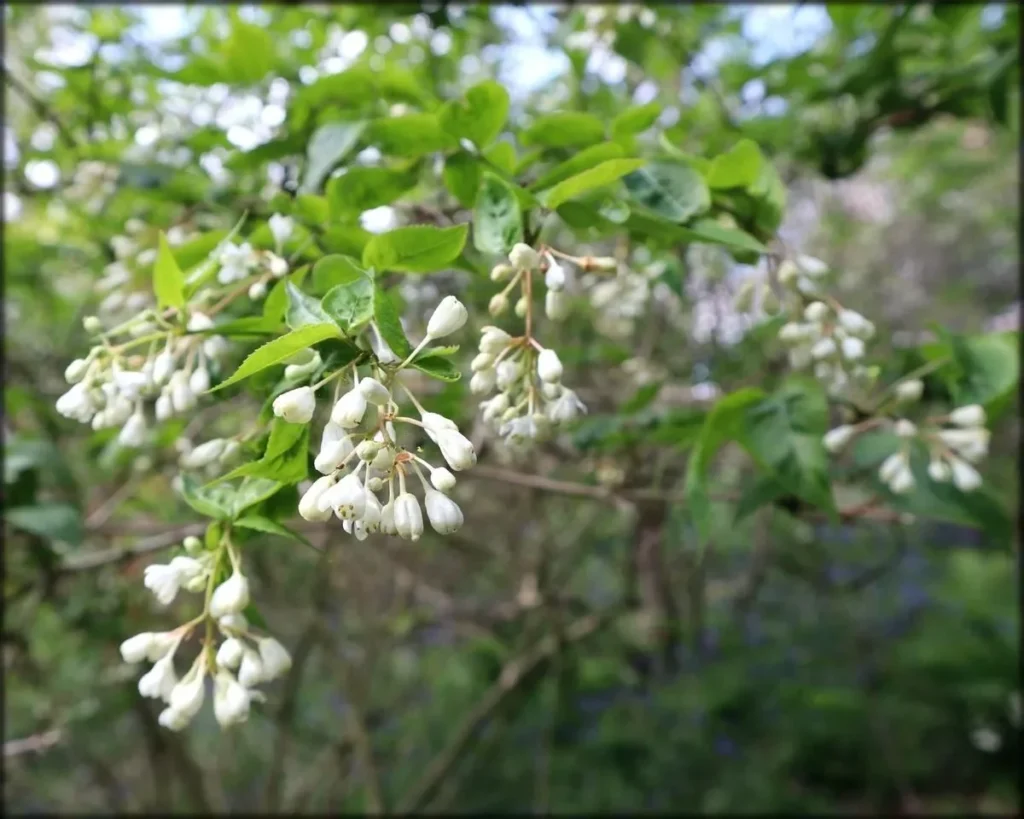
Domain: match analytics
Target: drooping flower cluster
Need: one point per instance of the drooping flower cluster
(360, 453)
(243, 658)
(527, 376)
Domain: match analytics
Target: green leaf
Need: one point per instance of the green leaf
(783, 433)
(259, 523)
(740, 167)
(335, 269)
(479, 116)
(276, 303)
(210, 501)
(597, 177)
(54, 521)
(276, 351)
(503, 156)
(984, 370)
(723, 423)
(252, 491)
(348, 239)
(497, 218)
(312, 209)
(360, 189)
(168, 280)
(563, 130)
(388, 320)
(329, 144)
(248, 54)
(411, 135)
(303, 310)
(350, 305)
(636, 119)
(708, 230)
(765, 490)
(285, 459)
(672, 190)
(584, 160)
(417, 249)
(436, 366)
(461, 176)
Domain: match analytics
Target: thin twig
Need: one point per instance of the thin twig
(33, 744)
(97, 559)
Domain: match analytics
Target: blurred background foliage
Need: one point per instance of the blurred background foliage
(573, 648)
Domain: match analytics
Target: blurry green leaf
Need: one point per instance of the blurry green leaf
(479, 115)
(275, 305)
(672, 190)
(497, 219)
(410, 135)
(436, 366)
(388, 321)
(252, 491)
(248, 54)
(563, 129)
(503, 156)
(584, 160)
(312, 209)
(350, 305)
(417, 249)
(259, 523)
(329, 144)
(210, 501)
(739, 167)
(461, 176)
(984, 370)
(783, 432)
(168, 280)
(348, 239)
(636, 119)
(360, 189)
(276, 351)
(599, 176)
(335, 269)
(303, 309)
(765, 490)
(708, 230)
(54, 521)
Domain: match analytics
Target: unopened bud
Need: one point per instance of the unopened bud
(521, 306)
(92, 324)
(498, 304)
(501, 272)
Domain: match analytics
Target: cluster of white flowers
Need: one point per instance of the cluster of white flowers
(240, 262)
(954, 442)
(530, 397)
(360, 453)
(243, 659)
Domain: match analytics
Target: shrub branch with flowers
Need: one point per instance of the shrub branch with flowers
(295, 305)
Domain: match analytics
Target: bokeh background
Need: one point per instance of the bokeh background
(571, 649)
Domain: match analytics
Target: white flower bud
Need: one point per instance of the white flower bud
(793, 332)
(493, 408)
(374, 392)
(965, 476)
(493, 340)
(76, 370)
(367, 450)
(182, 398)
(308, 503)
(811, 266)
(229, 655)
(498, 304)
(274, 657)
(435, 422)
(383, 460)
(970, 444)
(332, 455)
(853, 349)
(500, 272)
(450, 315)
(163, 581)
(203, 455)
(442, 479)
(816, 311)
(281, 228)
(482, 382)
(163, 366)
(348, 498)
(198, 322)
(939, 471)
(905, 428)
(603, 264)
(187, 696)
(902, 481)
(173, 720)
(92, 325)
(133, 433)
(565, 408)
(554, 278)
(556, 305)
(349, 410)
(910, 390)
(836, 439)
(523, 257)
(890, 466)
(231, 700)
(824, 348)
(250, 671)
(230, 597)
(482, 361)
(257, 290)
(442, 512)
(456, 448)
(508, 372)
(408, 517)
(235, 622)
(371, 513)
(136, 649)
(549, 367)
(387, 519)
(160, 680)
(521, 306)
(972, 415)
(163, 409)
(296, 406)
(199, 381)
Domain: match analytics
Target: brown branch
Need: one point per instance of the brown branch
(512, 675)
(37, 743)
(97, 559)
